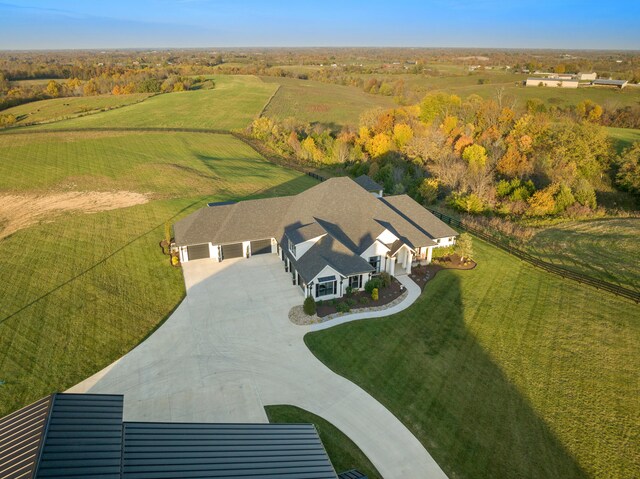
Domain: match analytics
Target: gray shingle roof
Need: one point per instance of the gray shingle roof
(422, 219)
(304, 233)
(338, 206)
(368, 184)
(329, 251)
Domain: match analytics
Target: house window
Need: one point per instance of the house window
(355, 282)
(375, 262)
(292, 248)
(326, 286)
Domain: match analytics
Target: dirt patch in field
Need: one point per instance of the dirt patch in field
(21, 211)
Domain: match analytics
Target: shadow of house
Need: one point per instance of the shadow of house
(428, 368)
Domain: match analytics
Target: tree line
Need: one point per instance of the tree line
(475, 155)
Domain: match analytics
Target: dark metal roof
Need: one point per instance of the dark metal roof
(352, 474)
(21, 435)
(368, 184)
(170, 450)
(610, 82)
(83, 438)
(83, 435)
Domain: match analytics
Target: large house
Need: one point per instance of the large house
(331, 237)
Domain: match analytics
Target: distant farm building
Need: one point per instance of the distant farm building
(552, 82)
(610, 83)
(587, 76)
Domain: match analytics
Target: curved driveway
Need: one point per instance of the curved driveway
(229, 349)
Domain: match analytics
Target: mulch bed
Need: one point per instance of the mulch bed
(423, 274)
(385, 296)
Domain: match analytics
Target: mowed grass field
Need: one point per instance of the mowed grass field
(314, 102)
(342, 451)
(602, 248)
(624, 137)
(233, 104)
(80, 290)
(505, 371)
(63, 108)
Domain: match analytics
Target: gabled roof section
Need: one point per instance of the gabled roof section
(304, 233)
(224, 450)
(329, 251)
(419, 217)
(368, 184)
(21, 436)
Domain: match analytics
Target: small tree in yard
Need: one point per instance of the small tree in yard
(374, 294)
(309, 306)
(464, 247)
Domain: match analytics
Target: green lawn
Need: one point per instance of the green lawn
(342, 451)
(624, 137)
(83, 289)
(325, 103)
(505, 371)
(605, 248)
(233, 104)
(163, 164)
(62, 108)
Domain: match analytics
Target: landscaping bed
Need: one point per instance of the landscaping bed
(362, 299)
(423, 273)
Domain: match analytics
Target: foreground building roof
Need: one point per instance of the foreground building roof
(83, 435)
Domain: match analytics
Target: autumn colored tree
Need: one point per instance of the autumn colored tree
(90, 88)
(54, 89)
(475, 156)
(428, 191)
(402, 134)
(628, 176)
(543, 202)
(589, 111)
(464, 247)
(379, 145)
(438, 104)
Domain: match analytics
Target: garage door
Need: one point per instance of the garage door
(198, 251)
(261, 247)
(232, 251)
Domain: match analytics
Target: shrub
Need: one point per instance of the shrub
(175, 260)
(372, 284)
(584, 193)
(464, 246)
(343, 307)
(351, 302)
(470, 203)
(364, 299)
(349, 291)
(385, 279)
(374, 294)
(309, 306)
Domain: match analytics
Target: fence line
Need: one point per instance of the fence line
(550, 267)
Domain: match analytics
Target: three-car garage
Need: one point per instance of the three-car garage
(226, 251)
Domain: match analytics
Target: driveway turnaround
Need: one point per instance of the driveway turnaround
(229, 350)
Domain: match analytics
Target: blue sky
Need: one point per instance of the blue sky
(562, 24)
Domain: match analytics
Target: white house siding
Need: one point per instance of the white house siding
(329, 271)
(302, 248)
(378, 249)
(447, 241)
(214, 252)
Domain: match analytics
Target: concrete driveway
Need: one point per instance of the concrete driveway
(229, 350)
